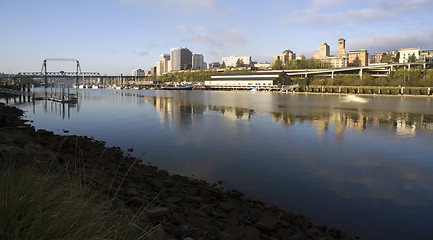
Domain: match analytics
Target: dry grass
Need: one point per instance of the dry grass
(50, 206)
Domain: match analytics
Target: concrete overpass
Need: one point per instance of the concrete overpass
(374, 70)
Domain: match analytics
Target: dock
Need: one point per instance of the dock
(62, 96)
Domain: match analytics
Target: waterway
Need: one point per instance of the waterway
(362, 164)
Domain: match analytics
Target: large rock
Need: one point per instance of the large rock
(226, 206)
(236, 232)
(267, 223)
(251, 233)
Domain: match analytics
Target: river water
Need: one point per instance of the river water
(362, 164)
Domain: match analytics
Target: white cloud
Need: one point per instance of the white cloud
(327, 3)
(201, 37)
(394, 41)
(338, 12)
(202, 3)
(215, 43)
(182, 29)
(174, 4)
(199, 28)
(143, 54)
(234, 36)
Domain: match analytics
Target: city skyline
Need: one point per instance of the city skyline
(118, 36)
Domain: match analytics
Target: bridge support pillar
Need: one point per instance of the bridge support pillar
(360, 73)
(408, 67)
(332, 74)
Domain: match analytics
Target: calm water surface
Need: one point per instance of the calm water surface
(363, 165)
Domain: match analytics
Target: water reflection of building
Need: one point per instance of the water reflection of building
(321, 126)
(174, 111)
(404, 127)
(237, 113)
(283, 118)
(403, 124)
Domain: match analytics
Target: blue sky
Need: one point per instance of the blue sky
(118, 36)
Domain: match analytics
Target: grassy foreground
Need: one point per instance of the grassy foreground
(50, 206)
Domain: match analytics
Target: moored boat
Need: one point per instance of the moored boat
(180, 87)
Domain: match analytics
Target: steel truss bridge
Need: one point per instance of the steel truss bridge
(44, 73)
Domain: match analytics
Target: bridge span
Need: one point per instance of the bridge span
(374, 70)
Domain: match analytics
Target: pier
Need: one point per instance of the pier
(63, 96)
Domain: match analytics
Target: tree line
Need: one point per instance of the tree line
(303, 63)
(415, 77)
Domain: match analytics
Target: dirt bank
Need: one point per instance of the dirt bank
(184, 207)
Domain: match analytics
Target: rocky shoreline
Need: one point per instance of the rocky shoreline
(184, 208)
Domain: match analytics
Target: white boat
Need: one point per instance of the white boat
(95, 87)
(353, 98)
(254, 90)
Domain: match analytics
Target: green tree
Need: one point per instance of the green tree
(412, 58)
(397, 57)
(292, 64)
(414, 77)
(278, 65)
(223, 65)
(388, 58)
(240, 63)
(367, 80)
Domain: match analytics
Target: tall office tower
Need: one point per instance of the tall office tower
(181, 59)
(164, 58)
(324, 50)
(198, 61)
(287, 55)
(341, 46)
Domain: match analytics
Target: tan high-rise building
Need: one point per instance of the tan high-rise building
(162, 66)
(285, 56)
(358, 58)
(323, 52)
(341, 47)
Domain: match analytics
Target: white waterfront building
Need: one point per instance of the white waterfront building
(232, 60)
(405, 53)
(247, 79)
